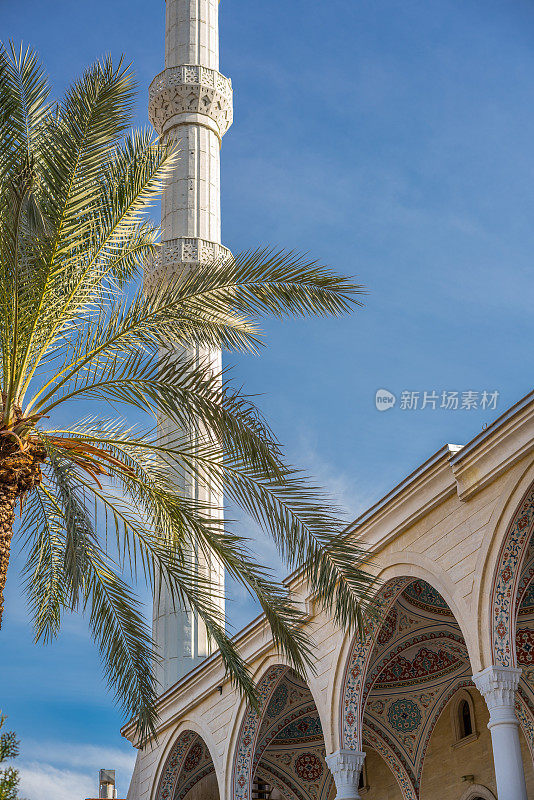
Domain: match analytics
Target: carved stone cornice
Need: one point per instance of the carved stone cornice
(175, 255)
(190, 93)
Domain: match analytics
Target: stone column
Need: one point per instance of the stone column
(189, 101)
(498, 686)
(346, 767)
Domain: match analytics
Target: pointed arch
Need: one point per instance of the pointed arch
(402, 675)
(396, 572)
(287, 716)
(245, 745)
(187, 761)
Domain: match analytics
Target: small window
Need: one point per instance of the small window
(463, 720)
(466, 723)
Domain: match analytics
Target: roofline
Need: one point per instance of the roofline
(454, 452)
(493, 427)
(444, 452)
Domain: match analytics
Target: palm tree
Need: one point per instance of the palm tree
(93, 492)
(9, 776)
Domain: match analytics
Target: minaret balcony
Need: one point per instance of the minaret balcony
(190, 94)
(176, 255)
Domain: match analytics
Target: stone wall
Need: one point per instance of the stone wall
(381, 781)
(206, 789)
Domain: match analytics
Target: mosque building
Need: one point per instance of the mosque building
(436, 701)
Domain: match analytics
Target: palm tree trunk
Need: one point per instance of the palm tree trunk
(7, 517)
(20, 472)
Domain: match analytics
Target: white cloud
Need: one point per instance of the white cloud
(343, 488)
(66, 771)
(89, 756)
(43, 782)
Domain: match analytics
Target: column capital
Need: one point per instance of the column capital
(498, 683)
(346, 766)
(498, 686)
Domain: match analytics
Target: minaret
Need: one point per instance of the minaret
(191, 102)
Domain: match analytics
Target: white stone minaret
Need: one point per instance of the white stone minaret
(192, 102)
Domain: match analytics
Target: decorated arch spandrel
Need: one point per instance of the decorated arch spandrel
(506, 588)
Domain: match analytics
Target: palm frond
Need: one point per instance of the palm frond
(307, 532)
(24, 93)
(267, 281)
(110, 249)
(115, 618)
(106, 500)
(208, 308)
(42, 535)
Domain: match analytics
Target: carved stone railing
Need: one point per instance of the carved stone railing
(175, 255)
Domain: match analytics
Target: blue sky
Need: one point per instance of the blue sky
(390, 140)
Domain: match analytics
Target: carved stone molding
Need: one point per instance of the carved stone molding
(346, 766)
(189, 93)
(176, 254)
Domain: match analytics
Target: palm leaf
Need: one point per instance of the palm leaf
(104, 509)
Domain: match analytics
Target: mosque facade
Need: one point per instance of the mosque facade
(436, 703)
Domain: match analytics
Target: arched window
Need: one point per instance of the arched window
(466, 723)
(463, 719)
